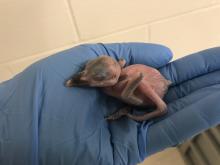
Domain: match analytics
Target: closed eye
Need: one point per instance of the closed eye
(99, 77)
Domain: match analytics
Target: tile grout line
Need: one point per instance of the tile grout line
(115, 33)
(74, 22)
(122, 30)
(201, 9)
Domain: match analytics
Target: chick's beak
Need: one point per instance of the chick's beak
(77, 80)
(69, 83)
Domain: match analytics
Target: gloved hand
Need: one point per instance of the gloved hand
(43, 122)
(193, 101)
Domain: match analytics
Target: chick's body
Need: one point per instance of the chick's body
(152, 78)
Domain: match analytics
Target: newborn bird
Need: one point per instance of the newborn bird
(137, 85)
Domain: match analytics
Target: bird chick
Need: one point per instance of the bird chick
(137, 85)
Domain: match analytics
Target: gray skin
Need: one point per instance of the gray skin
(137, 85)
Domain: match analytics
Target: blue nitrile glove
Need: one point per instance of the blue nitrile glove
(193, 101)
(43, 122)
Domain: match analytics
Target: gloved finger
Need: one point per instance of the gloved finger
(135, 53)
(189, 117)
(193, 98)
(192, 86)
(192, 66)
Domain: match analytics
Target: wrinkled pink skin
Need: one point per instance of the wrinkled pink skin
(136, 84)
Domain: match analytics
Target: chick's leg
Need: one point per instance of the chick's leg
(128, 94)
(128, 91)
(152, 95)
(118, 114)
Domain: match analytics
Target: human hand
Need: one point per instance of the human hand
(44, 122)
(193, 101)
(58, 125)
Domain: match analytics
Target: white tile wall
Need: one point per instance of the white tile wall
(136, 34)
(100, 17)
(190, 32)
(5, 73)
(30, 27)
